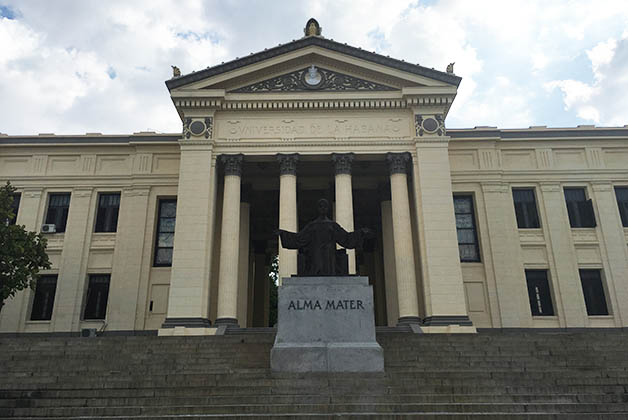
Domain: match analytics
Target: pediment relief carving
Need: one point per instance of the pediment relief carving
(313, 78)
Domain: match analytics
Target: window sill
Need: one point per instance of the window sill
(544, 317)
(600, 316)
(38, 322)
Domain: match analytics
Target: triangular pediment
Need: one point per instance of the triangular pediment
(312, 79)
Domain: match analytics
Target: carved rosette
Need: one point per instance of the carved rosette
(397, 162)
(232, 164)
(433, 125)
(342, 162)
(288, 163)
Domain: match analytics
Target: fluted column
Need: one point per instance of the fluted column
(229, 242)
(344, 198)
(402, 233)
(287, 211)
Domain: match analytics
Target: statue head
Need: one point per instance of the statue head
(322, 207)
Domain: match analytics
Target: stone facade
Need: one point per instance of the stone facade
(378, 149)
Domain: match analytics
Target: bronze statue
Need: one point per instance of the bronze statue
(316, 243)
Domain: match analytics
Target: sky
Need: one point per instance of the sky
(72, 67)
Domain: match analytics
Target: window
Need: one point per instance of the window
(15, 205)
(622, 201)
(465, 225)
(107, 217)
(539, 293)
(579, 208)
(593, 292)
(44, 298)
(164, 242)
(97, 296)
(525, 208)
(58, 205)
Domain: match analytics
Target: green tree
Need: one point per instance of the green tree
(22, 253)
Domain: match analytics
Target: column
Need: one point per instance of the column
(127, 259)
(440, 262)
(73, 267)
(13, 314)
(287, 211)
(402, 234)
(390, 280)
(614, 241)
(243, 264)
(566, 277)
(229, 243)
(514, 306)
(344, 198)
(188, 300)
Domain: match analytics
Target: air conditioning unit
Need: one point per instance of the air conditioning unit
(48, 228)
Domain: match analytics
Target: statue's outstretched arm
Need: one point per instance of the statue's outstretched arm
(351, 240)
(291, 240)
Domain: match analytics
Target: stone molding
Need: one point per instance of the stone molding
(186, 322)
(495, 187)
(446, 320)
(232, 164)
(82, 192)
(601, 186)
(397, 162)
(136, 191)
(553, 187)
(342, 162)
(288, 163)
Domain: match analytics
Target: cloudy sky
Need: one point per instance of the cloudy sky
(71, 67)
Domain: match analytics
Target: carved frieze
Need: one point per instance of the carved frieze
(313, 78)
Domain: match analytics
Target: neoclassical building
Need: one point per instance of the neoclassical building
(475, 228)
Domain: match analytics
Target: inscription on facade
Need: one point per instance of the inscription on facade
(326, 305)
(238, 129)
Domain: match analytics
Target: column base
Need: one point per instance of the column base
(446, 320)
(186, 322)
(408, 320)
(227, 322)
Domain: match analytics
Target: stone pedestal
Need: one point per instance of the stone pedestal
(326, 324)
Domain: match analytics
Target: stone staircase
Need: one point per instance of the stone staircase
(490, 375)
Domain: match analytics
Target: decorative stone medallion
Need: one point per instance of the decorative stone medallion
(198, 127)
(430, 125)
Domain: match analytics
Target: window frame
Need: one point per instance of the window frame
(550, 293)
(107, 215)
(161, 200)
(474, 228)
(66, 212)
(604, 293)
(578, 217)
(526, 210)
(15, 206)
(623, 213)
(90, 277)
(35, 298)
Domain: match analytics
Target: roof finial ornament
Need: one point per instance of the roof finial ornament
(176, 72)
(450, 68)
(312, 28)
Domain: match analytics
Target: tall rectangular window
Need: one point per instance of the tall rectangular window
(579, 208)
(58, 206)
(539, 293)
(593, 291)
(465, 226)
(622, 201)
(107, 215)
(97, 296)
(164, 241)
(15, 206)
(44, 298)
(525, 208)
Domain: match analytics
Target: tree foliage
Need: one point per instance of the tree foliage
(22, 253)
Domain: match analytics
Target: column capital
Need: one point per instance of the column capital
(233, 164)
(397, 162)
(342, 162)
(288, 163)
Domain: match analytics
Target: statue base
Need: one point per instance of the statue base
(326, 324)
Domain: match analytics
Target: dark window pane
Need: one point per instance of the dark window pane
(525, 208)
(164, 239)
(622, 202)
(15, 206)
(44, 298)
(539, 293)
(580, 209)
(593, 291)
(97, 296)
(465, 226)
(58, 206)
(108, 209)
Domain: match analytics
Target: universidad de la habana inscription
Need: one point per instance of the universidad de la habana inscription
(313, 127)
